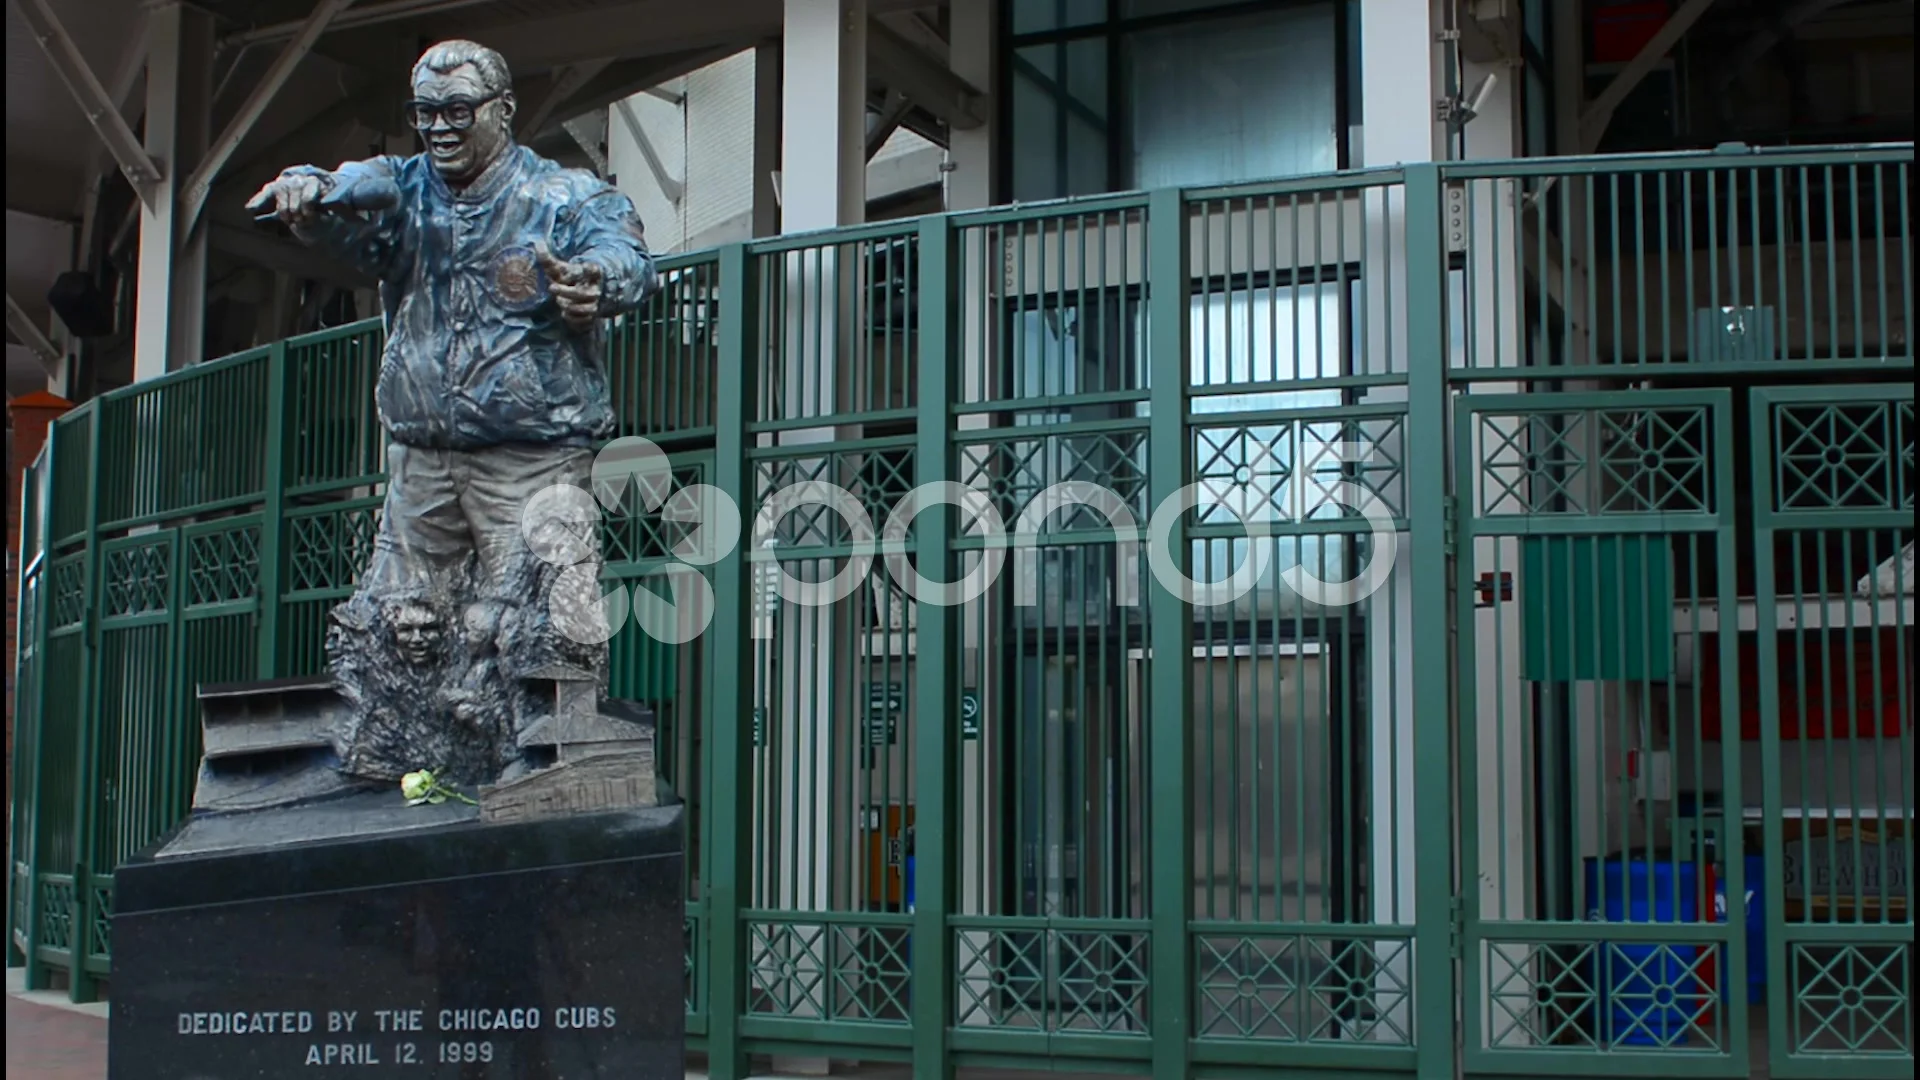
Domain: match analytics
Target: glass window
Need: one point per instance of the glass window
(1040, 16)
(1267, 335)
(1537, 29)
(1233, 99)
(1134, 9)
(1060, 119)
(1199, 92)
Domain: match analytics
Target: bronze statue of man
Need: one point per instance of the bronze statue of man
(497, 268)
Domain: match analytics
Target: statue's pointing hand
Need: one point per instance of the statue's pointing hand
(291, 196)
(575, 286)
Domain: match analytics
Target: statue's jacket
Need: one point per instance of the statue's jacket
(476, 354)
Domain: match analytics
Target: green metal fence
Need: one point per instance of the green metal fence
(1632, 436)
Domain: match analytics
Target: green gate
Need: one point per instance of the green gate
(1682, 483)
(1587, 521)
(1833, 508)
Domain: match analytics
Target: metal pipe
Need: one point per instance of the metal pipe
(233, 68)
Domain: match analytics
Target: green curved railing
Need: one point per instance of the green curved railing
(197, 527)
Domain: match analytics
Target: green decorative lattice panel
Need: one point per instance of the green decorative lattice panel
(56, 911)
(1587, 996)
(829, 971)
(21, 894)
(1291, 471)
(136, 579)
(1852, 999)
(877, 475)
(223, 566)
(1014, 470)
(68, 595)
(1584, 462)
(1052, 980)
(100, 942)
(690, 941)
(330, 548)
(1854, 455)
(630, 531)
(1303, 988)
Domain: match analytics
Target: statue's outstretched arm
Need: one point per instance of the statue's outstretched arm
(606, 232)
(372, 240)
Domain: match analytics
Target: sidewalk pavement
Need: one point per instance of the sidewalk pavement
(51, 1039)
(48, 1038)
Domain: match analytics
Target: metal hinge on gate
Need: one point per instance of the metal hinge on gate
(1451, 533)
(1457, 934)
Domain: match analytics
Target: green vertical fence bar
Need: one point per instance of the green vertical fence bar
(1434, 975)
(86, 787)
(23, 708)
(1170, 632)
(936, 745)
(729, 797)
(36, 973)
(272, 514)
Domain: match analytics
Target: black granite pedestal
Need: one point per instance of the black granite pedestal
(421, 943)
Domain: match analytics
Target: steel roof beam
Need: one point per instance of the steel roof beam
(566, 83)
(193, 195)
(101, 110)
(888, 121)
(1763, 41)
(1593, 122)
(368, 15)
(21, 326)
(925, 79)
(672, 188)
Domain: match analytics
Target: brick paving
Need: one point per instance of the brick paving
(45, 1042)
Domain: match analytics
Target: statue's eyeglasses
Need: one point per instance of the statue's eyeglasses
(458, 112)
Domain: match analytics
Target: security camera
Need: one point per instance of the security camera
(1470, 107)
(1478, 99)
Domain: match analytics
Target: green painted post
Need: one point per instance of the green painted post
(36, 973)
(26, 635)
(1772, 798)
(1435, 1032)
(728, 807)
(86, 788)
(1170, 843)
(272, 515)
(936, 745)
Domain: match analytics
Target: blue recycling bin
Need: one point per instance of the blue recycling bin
(1645, 995)
(1756, 868)
(1754, 925)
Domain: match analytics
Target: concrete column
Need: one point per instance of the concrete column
(767, 135)
(823, 125)
(170, 302)
(1398, 61)
(1400, 69)
(823, 75)
(1491, 336)
(972, 36)
(1403, 73)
